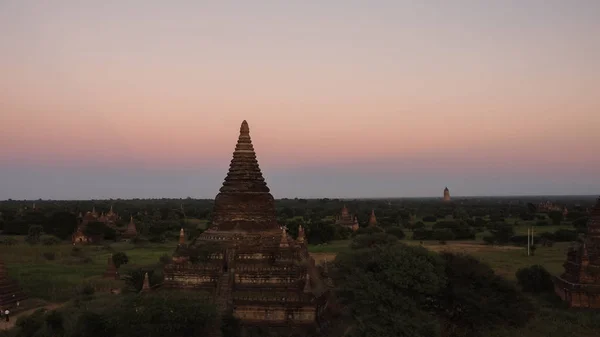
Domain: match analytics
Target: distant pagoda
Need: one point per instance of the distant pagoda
(10, 292)
(373, 219)
(579, 285)
(446, 194)
(131, 231)
(253, 269)
(345, 219)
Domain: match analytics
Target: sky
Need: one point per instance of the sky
(144, 98)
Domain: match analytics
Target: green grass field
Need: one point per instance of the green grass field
(60, 279)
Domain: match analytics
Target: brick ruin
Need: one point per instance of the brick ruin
(10, 292)
(246, 260)
(579, 285)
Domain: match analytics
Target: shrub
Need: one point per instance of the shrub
(33, 234)
(422, 234)
(542, 223)
(488, 239)
(50, 240)
(565, 235)
(50, 256)
(443, 234)
(9, 241)
(371, 240)
(120, 259)
(165, 259)
(367, 230)
(535, 279)
(76, 251)
(429, 218)
(396, 231)
(87, 290)
(158, 238)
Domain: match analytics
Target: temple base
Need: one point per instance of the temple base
(578, 295)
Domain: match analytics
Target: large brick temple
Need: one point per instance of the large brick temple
(579, 285)
(250, 267)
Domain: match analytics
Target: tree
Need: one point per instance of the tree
(61, 224)
(119, 259)
(556, 217)
(386, 290)
(163, 314)
(34, 234)
(475, 299)
(535, 279)
(396, 231)
(371, 240)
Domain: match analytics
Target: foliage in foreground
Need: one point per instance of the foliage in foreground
(174, 314)
(535, 279)
(387, 288)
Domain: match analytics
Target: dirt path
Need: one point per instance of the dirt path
(13, 318)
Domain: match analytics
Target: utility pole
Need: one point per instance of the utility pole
(528, 230)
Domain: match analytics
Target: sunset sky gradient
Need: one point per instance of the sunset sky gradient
(109, 99)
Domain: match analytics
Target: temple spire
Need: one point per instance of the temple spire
(301, 236)
(146, 285)
(307, 288)
(244, 185)
(284, 239)
(244, 173)
(373, 219)
(181, 237)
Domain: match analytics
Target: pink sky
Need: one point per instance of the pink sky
(509, 86)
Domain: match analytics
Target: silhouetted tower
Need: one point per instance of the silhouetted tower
(446, 194)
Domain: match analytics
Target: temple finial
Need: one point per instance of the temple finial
(181, 237)
(284, 239)
(244, 129)
(146, 285)
(307, 288)
(301, 236)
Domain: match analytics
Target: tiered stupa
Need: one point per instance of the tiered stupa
(345, 219)
(579, 285)
(372, 219)
(111, 269)
(131, 231)
(254, 270)
(10, 293)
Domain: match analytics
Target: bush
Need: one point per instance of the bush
(158, 238)
(49, 256)
(371, 240)
(367, 230)
(535, 279)
(488, 239)
(120, 259)
(422, 234)
(542, 223)
(396, 231)
(33, 234)
(87, 290)
(429, 218)
(443, 234)
(165, 259)
(565, 235)
(9, 241)
(50, 240)
(76, 251)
